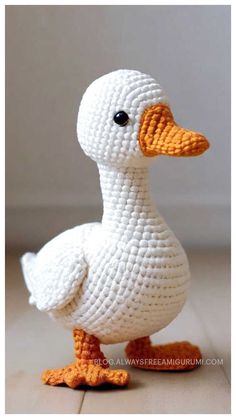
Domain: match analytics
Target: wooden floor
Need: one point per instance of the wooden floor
(34, 342)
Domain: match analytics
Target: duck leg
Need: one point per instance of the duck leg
(170, 357)
(90, 366)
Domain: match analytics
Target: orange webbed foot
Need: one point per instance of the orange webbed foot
(87, 373)
(177, 356)
(90, 367)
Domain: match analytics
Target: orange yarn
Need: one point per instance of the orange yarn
(87, 348)
(170, 357)
(159, 134)
(90, 367)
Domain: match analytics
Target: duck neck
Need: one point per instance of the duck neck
(126, 199)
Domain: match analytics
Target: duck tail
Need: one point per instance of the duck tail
(27, 264)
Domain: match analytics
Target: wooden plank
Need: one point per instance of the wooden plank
(204, 390)
(210, 294)
(26, 394)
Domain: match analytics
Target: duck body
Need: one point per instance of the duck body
(136, 272)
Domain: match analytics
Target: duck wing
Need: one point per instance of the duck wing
(54, 275)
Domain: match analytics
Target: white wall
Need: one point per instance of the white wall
(54, 52)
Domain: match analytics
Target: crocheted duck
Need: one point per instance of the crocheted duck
(125, 278)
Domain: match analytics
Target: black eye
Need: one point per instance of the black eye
(121, 118)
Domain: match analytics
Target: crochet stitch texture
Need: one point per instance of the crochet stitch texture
(90, 367)
(126, 277)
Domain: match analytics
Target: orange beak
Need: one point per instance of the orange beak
(159, 134)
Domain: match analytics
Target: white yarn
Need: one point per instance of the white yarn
(127, 276)
(102, 139)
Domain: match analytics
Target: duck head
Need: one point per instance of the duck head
(124, 119)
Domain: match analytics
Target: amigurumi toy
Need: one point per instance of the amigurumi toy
(125, 278)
